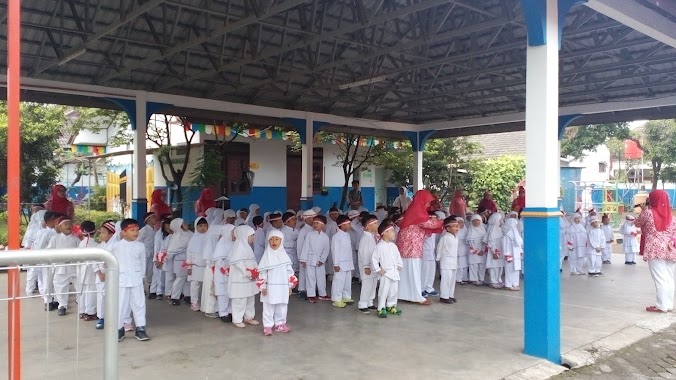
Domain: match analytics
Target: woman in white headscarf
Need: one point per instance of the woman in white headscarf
(475, 248)
(178, 249)
(199, 242)
(243, 277)
(254, 210)
(403, 201)
(577, 245)
(276, 279)
(494, 259)
(221, 271)
(512, 249)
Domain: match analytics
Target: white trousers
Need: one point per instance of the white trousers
(368, 292)
(302, 279)
(428, 269)
(132, 299)
(195, 292)
(387, 293)
(274, 315)
(462, 274)
(477, 272)
(178, 287)
(316, 281)
(496, 275)
(607, 253)
(355, 263)
(511, 276)
(150, 269)
(168, 282)
(662, 272)
(577, 264)
(224, 305)
(341, 288)
(100, 293)
(209, 302)
(243, 308)
(157, 281)
(629, 257)
(595, 263)
(62, 288)
(86, 303)
(33, 275)
(447, 284)
(46, 286)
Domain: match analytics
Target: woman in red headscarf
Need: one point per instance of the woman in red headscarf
(157, 204)
(458, 205)
(658, 229)
(58, 202)
(204, 202)
(413, 229)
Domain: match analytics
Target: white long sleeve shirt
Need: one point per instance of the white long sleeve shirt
(316, 248)
(341, 251)
(367, 245)
(447, 251)
(131, 259)
(386, 256)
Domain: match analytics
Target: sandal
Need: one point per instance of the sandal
(654, 309)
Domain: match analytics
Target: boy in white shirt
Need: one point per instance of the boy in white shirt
(63, 275)
(596, 245)
(610, 238)
(313, 255)
(447, 256)
(429, 265)
(341, 252)
(106, 233)
(369, 278)
(630, 240)
(386, 261)
(131, 259)
(147, 237)
(308, 217)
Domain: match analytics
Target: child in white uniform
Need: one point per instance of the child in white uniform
(222, 272)
(45, 281)
(313, 255)
(178, 251)
(199, 242)
(630, 240)
(275, 279)
(475, 247)
(512, 249)
(167, 260)
(462, 273)
(308, 216)
(610, 238)
(243, 276)
(596, 247)
(106, 233)
(447, 256)
(341, 252)
(369, 278)
(494, 260)
(577, 245)
(63, 275)
(85, 275)
(428, 269)
(33, 231)
(386, 261)
(259, 237)
(147, 237)
(131, 259)
(290, 240)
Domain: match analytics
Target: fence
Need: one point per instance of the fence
(13, 262)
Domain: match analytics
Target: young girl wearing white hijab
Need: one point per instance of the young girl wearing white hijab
(493, 240)
(85, 275)
(577, 245)
(178, 249)
(243, 277)
(221, 272)
(462, 273)
(610, 238)
(164, 260)
(629, 240)
(275, 279)
(33, 232)
(512, 249)
(199, 242)
(475, 247)
(254, 210)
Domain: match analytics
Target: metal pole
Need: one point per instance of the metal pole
(55, 256)
(13, 184)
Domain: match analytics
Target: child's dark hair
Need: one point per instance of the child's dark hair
(287, 216)
(384, 226)
(380, 207)
(366, 220)
(342, 219)
(333, 209)
(363, 214)
(87, 227)
(450, 220)
(243, 209)
(50, 215)
(165, 222)
(109, 225)
(127, 223)
(432, 214)
(320, 218)
(202, 220)
(148, 215)
(258, 220)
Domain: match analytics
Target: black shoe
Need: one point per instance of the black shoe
(365, 311)
(53, 306)
(627, 263)
(227, 318)
(141, 334)
(453, 300)
(302, 295)
(152, 296)
(373, 308)
(186, 300)
(62, 311)
(633, 263)
(120, 334)
(355, 279)
(294, 291)
(176, 302)
(445, 300)
(160, 297)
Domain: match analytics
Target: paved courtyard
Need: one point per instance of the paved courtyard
(480, 337)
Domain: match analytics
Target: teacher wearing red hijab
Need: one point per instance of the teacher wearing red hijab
(413, 230)
(204, 202)
(158, 205)
(58, 202)
(658, 228)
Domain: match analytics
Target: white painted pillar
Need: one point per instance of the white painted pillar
(418, 171)
(307, 158)
(139, 201)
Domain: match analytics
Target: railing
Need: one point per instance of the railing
(16, 260)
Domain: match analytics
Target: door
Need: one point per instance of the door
(294, 168)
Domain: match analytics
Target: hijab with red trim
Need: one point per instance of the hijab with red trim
(56, 203)
(661, 209)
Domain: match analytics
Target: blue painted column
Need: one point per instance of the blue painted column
(542, 314)
(139, 111)
(418, 140)
(306, 128)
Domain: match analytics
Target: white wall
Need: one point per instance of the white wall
(333, 175)
(590, 165)
(268, 160)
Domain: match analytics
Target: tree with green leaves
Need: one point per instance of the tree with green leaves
(41, 127)
(499, 176)
(583, 138)
(657, 139)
